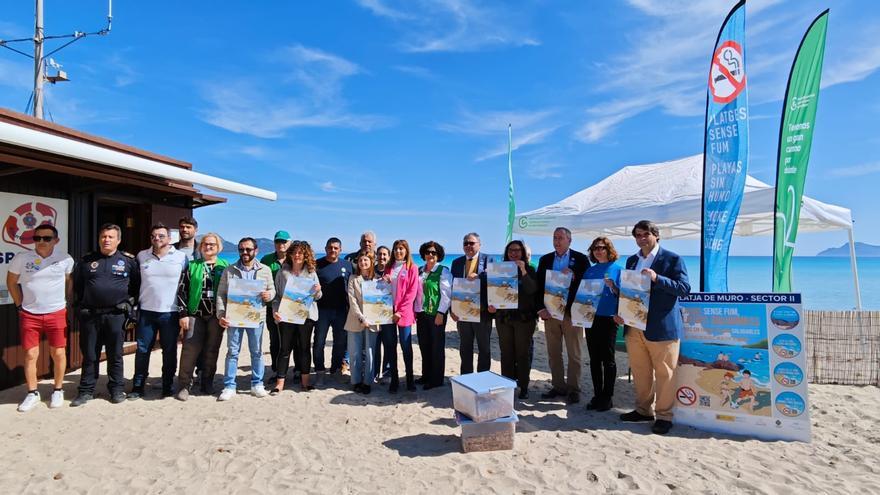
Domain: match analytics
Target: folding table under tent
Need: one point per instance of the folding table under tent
(670, 194)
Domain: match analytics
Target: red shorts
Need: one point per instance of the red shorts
(53, 325)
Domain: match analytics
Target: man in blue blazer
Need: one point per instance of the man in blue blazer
(563, 259)
(473, 265)
(653, 353)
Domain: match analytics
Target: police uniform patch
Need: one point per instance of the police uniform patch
(120, 262)
(94, 265)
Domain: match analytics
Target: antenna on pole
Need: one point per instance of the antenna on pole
(40, 58)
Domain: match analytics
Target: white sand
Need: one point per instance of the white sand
(334, 441)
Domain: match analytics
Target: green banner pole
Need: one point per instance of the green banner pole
(795, 142)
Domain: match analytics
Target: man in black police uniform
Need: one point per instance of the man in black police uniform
(105, 283)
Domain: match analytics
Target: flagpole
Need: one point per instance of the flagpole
(511, 203)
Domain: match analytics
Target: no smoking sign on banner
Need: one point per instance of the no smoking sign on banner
(727, 78)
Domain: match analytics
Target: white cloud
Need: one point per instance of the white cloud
(454, 25)
(415, 71)
(664, 66)
(328, 186)
(541, 169)
(856, 170)
(858, 58)
(528, 128)
(311, 97)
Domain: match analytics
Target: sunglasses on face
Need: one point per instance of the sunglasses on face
(469, 243)
(43, 238)
(431, 253)
(599, 248)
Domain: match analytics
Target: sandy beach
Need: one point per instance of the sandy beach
(334, 441)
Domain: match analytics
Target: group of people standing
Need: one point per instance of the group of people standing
(180, 291)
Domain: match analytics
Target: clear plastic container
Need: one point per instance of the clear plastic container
(483, 396)
(490, 435)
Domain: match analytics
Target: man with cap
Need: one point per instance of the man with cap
(274, 261)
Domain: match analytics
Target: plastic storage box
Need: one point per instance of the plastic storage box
(483, 396)
(490, 435)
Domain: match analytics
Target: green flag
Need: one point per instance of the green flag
(511, 203)
(795, 141)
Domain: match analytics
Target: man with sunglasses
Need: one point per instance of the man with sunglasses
(247, 267)
(274, 260)
(161, 267)
(40, 284)
(473, 265)
(106, 283)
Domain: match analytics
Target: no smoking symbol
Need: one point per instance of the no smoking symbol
(686, 396)
(727, 77)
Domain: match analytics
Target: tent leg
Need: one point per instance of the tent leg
(855, 271)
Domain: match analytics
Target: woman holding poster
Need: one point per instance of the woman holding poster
(361, 332)
(601, 337)
(407, 290)
(431, 322)
(516, 326)
(299, 263)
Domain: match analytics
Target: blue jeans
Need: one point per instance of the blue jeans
(361, 345)
(388, 340)
(330, 318)
(233, 346)
(405, 336)
(150, 325)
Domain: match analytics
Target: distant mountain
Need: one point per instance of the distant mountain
(863, 250)
(265, 246)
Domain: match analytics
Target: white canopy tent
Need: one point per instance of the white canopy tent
(670, 194)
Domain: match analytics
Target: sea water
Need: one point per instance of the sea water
(826, 282)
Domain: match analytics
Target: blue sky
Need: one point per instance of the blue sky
(392, 115)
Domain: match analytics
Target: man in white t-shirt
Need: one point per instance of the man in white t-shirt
(40, 282)
(160, 268)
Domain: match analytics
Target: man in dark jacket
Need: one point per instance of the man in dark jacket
(653, 353)
(566, 260)
(473, 265)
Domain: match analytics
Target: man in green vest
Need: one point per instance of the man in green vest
(274, 261)
(196, 298)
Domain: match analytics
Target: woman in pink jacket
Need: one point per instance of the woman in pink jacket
(406, 287)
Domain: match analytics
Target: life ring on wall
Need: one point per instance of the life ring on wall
(21, 223)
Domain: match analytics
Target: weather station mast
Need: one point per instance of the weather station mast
(41, 59)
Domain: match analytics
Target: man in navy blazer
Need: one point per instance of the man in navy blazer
(473, 265)
(653, 353)
(563, 259)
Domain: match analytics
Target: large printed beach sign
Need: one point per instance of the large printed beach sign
(466, 299)
(296, 300)
(244, 307)
(740, 366)
(556, 287)
(502, 284)
(635, 295)
(586, 302)
(378, 302)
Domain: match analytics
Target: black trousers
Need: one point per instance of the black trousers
(601, 339)
(432, 346)
(515, 340)
(294, 339)
(97, 331)
(481, 332)
(274, 338)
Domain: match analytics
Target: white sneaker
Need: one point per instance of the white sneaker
(226, 394)
(57, 399)
(259, 391)
(29, 402)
